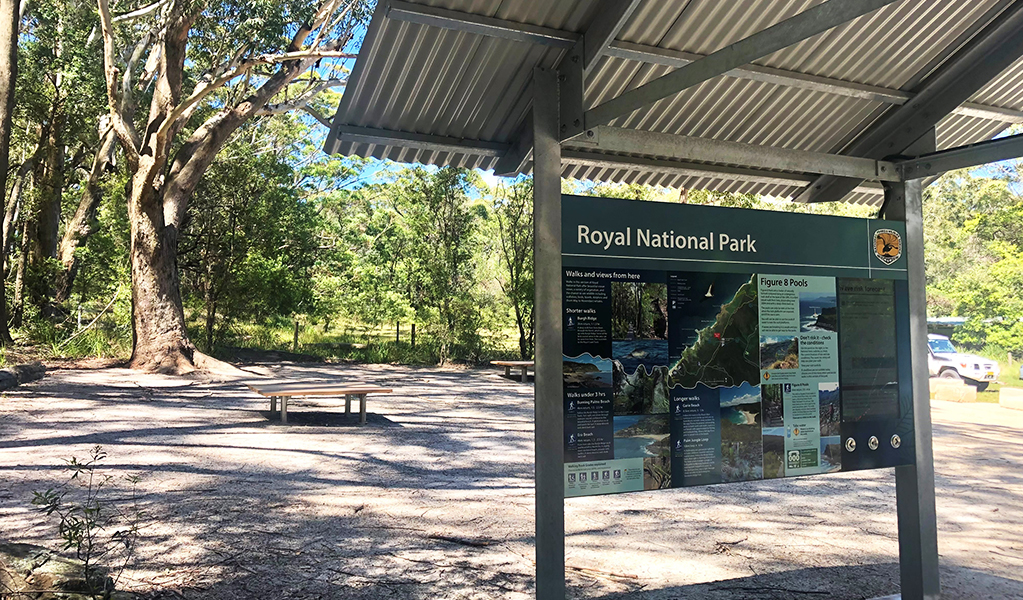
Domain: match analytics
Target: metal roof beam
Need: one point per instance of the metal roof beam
(805, 81)
(682, 148)
(806, 24)
(973, 155)
(611, 17)
(975, 65)
(514, 160)
(480, 25)
(700, 170)
(577, 64)
(421, 141)
(510, 30)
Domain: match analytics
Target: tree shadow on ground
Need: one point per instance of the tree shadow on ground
(319, 418)
(852, 582)
(433, 498)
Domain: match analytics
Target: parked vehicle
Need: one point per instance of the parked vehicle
(944, 361)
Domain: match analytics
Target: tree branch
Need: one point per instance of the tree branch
(199, 151)
(302, 101)
(124, 129)
(139, 12)
(205, 88)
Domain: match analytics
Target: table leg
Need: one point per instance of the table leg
(362, 409)
(525, 376)
(348, 404)
(284, 409)
(273, 405)
(507, 371)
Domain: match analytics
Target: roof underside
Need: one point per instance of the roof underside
(425, 79)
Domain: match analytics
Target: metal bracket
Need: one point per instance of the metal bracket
(570, 86)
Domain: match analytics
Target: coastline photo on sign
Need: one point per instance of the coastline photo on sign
(742, 450)
(641, 436)
(779, 352)
(639, 325)
(586, 371)
(639, 347)
(818, 312)
(831, 454)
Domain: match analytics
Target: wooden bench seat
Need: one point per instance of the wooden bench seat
(285, 390)
(515, 364)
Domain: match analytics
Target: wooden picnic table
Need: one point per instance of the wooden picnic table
(286, 390)
(515, 364)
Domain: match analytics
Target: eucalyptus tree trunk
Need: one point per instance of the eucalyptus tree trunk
(9, 18)
(82, 224)
(164, 174)
(158, 319)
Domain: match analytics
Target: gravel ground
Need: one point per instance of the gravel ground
(433, 498)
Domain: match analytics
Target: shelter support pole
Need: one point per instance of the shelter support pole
(914, 484)
(549, 417)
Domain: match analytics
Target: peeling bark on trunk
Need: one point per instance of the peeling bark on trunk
(82, 223)
(8, 74)
(13, 211)
(50, 183)
(158, 320)
(18, 304)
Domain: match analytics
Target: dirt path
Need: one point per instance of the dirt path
(433, 498)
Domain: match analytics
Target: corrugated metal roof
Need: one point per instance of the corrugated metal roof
(425, 79)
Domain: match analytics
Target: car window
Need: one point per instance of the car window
(941, 346)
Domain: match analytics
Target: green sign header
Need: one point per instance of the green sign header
(708, 238)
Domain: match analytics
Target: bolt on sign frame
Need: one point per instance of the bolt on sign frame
(837, 100)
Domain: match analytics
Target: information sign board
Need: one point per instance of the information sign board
(709, 345)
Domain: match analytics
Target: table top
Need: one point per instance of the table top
(513, 363)
(314, 388)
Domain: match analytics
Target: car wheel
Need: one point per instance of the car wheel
(980, 385)
(949, 374)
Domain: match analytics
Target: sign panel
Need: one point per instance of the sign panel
(711, 345)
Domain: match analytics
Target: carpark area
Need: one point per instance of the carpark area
(433, 497)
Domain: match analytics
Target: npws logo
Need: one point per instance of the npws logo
(887, 245)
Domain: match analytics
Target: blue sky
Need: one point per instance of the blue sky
(379, 171)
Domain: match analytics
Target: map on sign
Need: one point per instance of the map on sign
(717, 329)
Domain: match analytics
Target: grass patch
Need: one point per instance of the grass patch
(347, 341)
(1009, 377)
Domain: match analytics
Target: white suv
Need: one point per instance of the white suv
(944, 361)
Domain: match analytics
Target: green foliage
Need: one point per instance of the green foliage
(434, 250)
(512, 207)
(248, 246)
(101, 531)
(974, 241)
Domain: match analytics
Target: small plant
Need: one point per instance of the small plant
(103, 532)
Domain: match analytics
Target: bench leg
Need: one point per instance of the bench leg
(525, 375)
(273, 405)
(348, 404)
(284, 409)
(362, 409)
(507, 371)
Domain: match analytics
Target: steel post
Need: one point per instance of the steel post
(549, 417)
(914, 484)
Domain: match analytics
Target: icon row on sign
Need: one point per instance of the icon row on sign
(605, 475)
